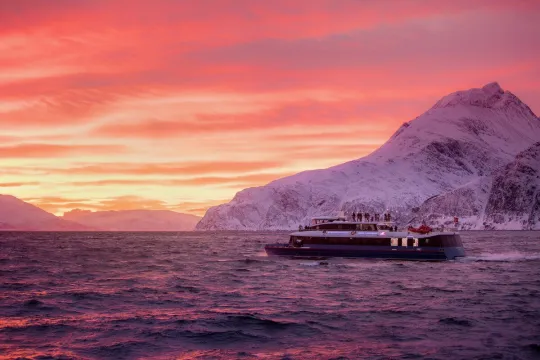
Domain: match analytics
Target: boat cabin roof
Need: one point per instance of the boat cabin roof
(329, 218)
(350, 226)
(339, 219)
(326, 219)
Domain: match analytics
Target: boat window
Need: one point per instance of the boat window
(394, 242)
(431, 242)
(415, 242)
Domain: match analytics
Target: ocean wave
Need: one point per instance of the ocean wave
(86, 295)
(456, 321)
(314, 263)
(220, 337)
(122, 350)
(15, 286)
(38, 329)
(33, 303)
(533, 347)
(187, 288)
(440, 289)
(34, 306)
(502, 257)
(38, 355)
(251, 261)
(254, 321)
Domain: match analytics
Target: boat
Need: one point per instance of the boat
(338, 237)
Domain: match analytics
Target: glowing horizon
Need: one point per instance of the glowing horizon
(179, 105)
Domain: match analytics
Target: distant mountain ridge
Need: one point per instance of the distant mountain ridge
(134, 220)
(464, 138)
(18, 215)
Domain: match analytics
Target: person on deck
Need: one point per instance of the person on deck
(353, 216)
(359, 217)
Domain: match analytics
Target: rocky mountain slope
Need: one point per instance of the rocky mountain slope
(16, 214)
(462, 139)
(507, 199)
(134, 220)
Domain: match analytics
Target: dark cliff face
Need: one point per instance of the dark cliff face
(459, 156)
(507, 199)
(515, 194)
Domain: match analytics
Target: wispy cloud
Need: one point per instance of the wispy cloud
(55, 150)
(17, 184)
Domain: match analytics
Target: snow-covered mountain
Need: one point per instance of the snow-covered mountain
(16, 214)
(463, 138)
(134, 220)
(507, 199)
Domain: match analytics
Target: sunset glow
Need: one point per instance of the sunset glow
(130, 104)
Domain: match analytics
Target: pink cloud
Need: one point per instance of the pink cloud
(186, 169)
(54, 150)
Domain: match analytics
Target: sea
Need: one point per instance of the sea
(216, 295)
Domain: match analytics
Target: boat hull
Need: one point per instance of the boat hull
(379, 252)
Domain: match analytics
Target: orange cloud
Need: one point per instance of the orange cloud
(197, 207)
(307, 113)
(56, 204)
(17, 184)
(131, 202)
(234, 181)
(52, 150)
(185, 169)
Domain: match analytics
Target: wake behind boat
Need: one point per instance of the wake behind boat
(338, 237)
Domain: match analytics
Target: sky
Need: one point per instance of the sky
(177, 104)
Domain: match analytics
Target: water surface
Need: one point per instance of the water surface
(216, 295)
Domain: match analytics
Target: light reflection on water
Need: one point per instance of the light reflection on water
(217, 295)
